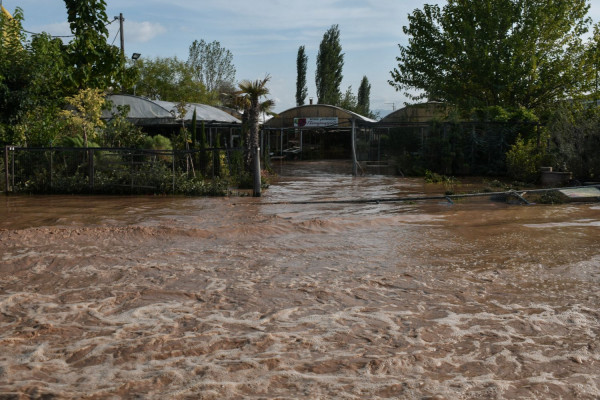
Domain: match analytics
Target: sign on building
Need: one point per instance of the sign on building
(317, 122)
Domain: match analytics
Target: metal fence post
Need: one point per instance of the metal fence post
(12, 187)
(131, 171)
(173, 171)
(51, 165)
(91, 167)
(6, 168)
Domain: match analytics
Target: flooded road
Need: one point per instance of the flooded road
(185, 298)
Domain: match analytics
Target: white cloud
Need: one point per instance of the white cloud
(142, 32)
(58, 29)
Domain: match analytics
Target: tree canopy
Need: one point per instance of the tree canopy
(330, 62)
(364, 97)
(38, 73)
(170, 79)
(212, 64)
(94, 62)
(482, 53)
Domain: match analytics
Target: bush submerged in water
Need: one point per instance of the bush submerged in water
(551, 197)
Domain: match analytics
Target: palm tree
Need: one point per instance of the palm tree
(251, 93)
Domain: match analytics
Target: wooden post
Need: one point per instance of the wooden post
(121, 19)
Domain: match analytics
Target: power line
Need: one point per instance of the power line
(65, 36)
(117, 34)
(52, 36)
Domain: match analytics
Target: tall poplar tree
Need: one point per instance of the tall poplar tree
(301, 64)
(363, 98)
(508, 53)
(330, 61)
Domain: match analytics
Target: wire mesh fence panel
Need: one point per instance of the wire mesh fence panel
(119, 171)
(451, 148)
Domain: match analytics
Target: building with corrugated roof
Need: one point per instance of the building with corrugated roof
(314, 131)
(162, 117)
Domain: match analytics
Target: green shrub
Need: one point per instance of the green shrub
(552, 197)
(158, 142)
(523, 160)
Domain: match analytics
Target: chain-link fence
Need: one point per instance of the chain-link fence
(121, 171)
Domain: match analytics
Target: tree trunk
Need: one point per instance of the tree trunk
(255, 148)
(257, 181)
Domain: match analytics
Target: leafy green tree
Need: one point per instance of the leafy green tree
(330, 62)
(364, 97)
(120, 132)
(93, 62)
(170, 79)
(479, 53)
(349, 101)
(14, 75)
(593, 60)
(212, 65)
(48, 69)
(31, 90)
(575, 139)
(301, 89)
(41, 126)
(524, 159)
(84, 114)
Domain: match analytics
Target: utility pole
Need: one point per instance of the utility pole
(121, 19)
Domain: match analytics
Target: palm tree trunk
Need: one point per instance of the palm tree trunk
(255, 152)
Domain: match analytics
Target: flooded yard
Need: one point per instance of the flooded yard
(260, 298)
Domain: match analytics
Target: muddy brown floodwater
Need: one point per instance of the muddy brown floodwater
(229, 298)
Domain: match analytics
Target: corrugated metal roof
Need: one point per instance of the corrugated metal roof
(203, 112)
(422, 112)
(139, 107)
(285, 119)
(156, 112)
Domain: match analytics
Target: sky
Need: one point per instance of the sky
(263, 35)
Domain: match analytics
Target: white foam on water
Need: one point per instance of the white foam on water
(306, 301)
(568, 224)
